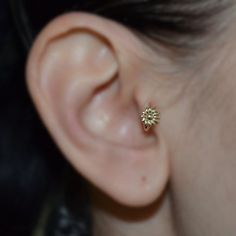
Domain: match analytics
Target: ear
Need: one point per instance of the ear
(87, 80)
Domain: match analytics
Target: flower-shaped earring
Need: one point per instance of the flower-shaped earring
(150, 117)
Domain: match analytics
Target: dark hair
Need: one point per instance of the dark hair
(174, 23)
(33, 174)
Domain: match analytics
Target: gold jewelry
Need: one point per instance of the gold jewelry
(150, 117)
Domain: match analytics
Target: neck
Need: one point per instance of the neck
(112, 219)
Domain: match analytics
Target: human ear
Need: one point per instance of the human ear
(84, 74)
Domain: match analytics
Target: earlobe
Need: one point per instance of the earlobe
(82, 82)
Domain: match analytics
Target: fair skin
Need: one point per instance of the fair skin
(90, 79)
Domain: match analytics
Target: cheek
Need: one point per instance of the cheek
(204, 169)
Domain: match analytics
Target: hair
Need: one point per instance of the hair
(35, 180)
(174, 23)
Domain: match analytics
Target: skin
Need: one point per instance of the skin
(178, 179)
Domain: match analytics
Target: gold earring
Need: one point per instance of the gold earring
(150, 117)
